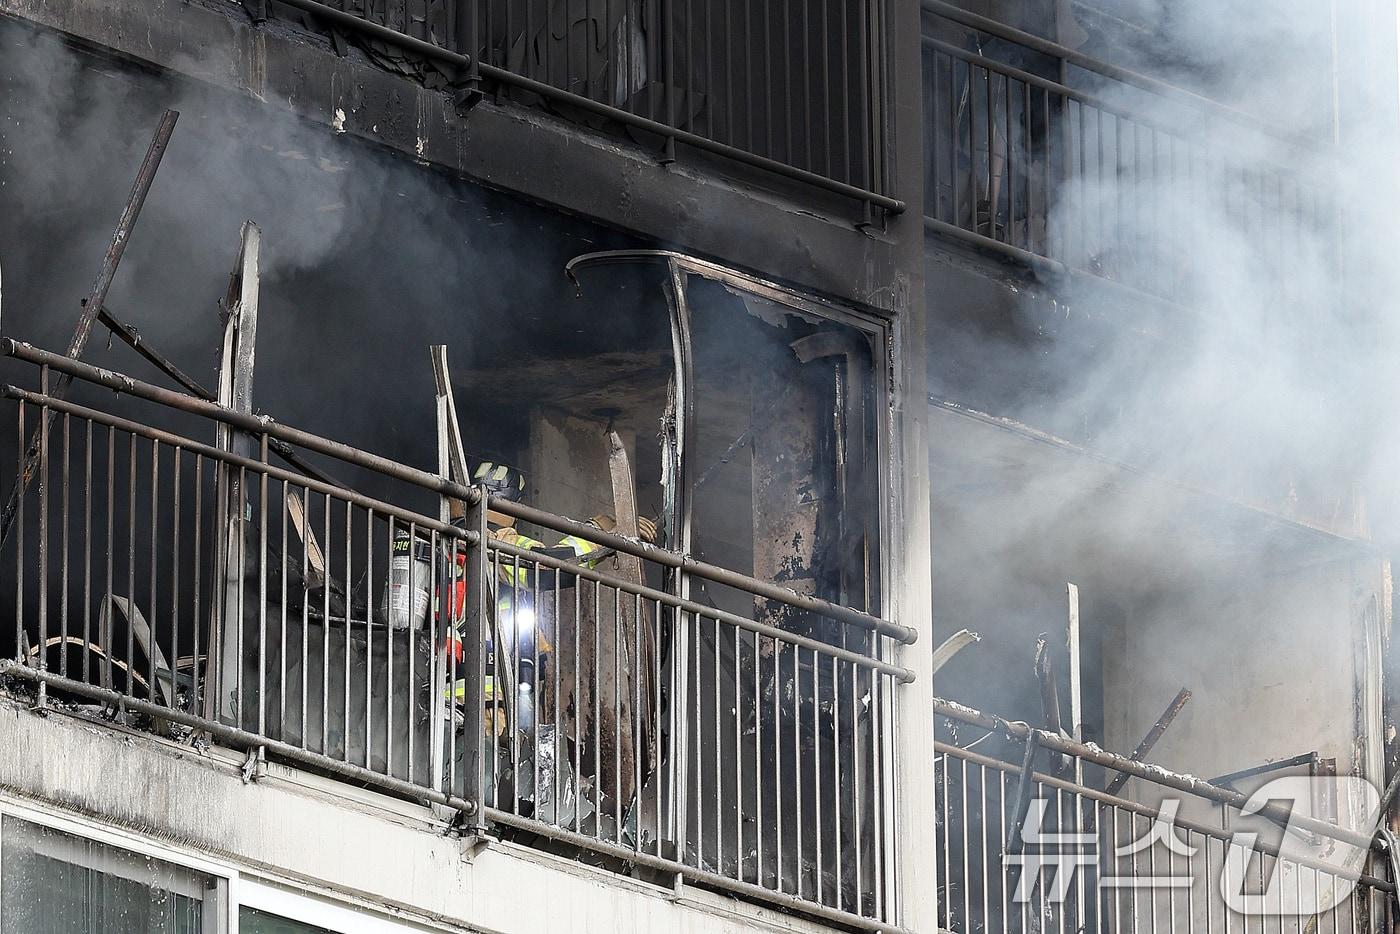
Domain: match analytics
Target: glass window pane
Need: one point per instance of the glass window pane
(252, 921)
(59, 883)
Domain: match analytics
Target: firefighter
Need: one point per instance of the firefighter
(513, 610)
(505, 482)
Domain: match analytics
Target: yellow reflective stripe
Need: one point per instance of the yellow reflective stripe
(581, 546)
(508, 564)
(458, 691)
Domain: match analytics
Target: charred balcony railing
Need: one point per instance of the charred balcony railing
(1033, 846)
(799, 90)
(1120, 176)
(193, 590)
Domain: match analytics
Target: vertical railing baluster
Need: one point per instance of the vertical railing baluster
(818, 816)
(617, 695)
(556, 689)
(440, 636)
(346, 585)
(20, 637)
(435, 685)
(695, 773)
(63, 548)
(778, 761)
(827, 101)
(369, 631)
(797, 769)
(45, 417)
(130, 566)
(579, 718)
(282, 602)
(176, 560)
(473, 628)
(262, 586)
(195, 614)
(105, 617)
(641, 727)
(864, 96)
(954, 138)
(390, 633)
(87, 554)
(152, 627)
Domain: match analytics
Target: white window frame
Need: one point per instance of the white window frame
(312, 908)
(234, 889)
(223, 874)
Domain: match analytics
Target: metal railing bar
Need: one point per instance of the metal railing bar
(1115, 72)
(257, 466)
(1151, 813)
(747, 889)
(1155, 774)
(352, 756)
(133, 339)
(708, 572)
(935, 227)
(383, 33)
(971, 237)
(263, 424)
(1129, 115)
(903, 675)
(255, 424)
(235, 737)
(892, 205)
(993, 66)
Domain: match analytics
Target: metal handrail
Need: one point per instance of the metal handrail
(892, 205)
(902, 675)
(1115, 72)
(1142, 810)
(1064, 91)
(1031, 150)
(237, 460)
(263, 424)
(781, 899)
(1148, 772)
(241, 687)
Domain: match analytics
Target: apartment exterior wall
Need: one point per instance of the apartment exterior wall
(355, 848)
(788, 233)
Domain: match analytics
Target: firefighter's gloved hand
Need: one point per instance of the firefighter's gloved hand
(646, 528)
(506, 534)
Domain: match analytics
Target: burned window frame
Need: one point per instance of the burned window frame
(874, 327)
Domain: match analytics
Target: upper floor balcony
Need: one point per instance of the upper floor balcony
(795, 93)
(1069, 164)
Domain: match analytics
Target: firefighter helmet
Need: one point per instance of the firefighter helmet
(500, 480)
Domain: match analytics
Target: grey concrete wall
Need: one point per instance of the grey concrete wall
(1271, 662)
